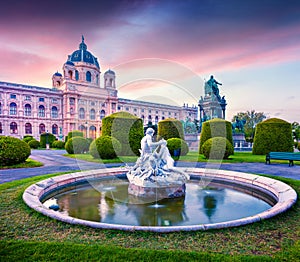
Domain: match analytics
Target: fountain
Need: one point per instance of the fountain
(154, 172)
(153, 195)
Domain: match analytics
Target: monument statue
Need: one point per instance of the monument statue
(154, 169)
(213, 84)
(238, 124)
(189, 127)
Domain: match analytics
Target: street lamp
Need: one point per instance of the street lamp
(47, 140)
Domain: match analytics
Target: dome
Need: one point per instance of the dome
(110, 72)
(58, 74)
(69, 63)
(82, 55)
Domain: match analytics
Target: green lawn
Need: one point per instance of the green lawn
(28, 163)
(238, 157)
(26, 235)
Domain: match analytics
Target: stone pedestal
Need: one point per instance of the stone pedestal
(157, 193)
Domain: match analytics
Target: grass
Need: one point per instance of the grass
(26, 235)
(193, 156)
(28, 163)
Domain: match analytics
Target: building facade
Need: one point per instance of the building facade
(76, 101)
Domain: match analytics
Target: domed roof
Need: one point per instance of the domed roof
(82, 55)
(110, 72)
(69, 63)
(58, 74)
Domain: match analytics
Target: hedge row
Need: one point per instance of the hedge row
(273, 135)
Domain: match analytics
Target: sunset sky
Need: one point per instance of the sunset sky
(164, 49)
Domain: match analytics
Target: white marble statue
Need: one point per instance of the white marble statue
(155, 168)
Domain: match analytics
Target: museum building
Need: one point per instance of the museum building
(76, 101)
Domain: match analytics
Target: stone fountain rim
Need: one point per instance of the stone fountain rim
(285, 195)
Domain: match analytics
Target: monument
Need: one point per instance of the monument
(212, 105)
(154, 174)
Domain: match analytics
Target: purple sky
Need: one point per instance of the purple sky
(164, 48)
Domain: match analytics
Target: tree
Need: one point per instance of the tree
(296, 131)
(252, 118)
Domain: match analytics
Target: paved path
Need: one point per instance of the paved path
(54, 162)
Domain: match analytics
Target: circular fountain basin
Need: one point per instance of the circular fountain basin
(276, 194)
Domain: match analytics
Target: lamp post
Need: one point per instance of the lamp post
(47, 140)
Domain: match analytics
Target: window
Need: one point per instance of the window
(13, 109)
(102, 114)
(28, 110)
(41, 111)
(54, 101)
(81, 113)
(72, 101)
(127, 108)
(54, 112)
(0, 128)
(92, 133)
(13, 128)
(76, 75)
(92, 114)
(93, 103)
(28, 128)
(88, 76)
(156, 119)
(0, 108)
(82, 128)
(113, 106)
(41, 99)
(142, 110)
(13, 96)
(42, 128)
(97, 79)
(28, 98)
(119, 107)
(54, 129)
(134, 109)
(70, 73)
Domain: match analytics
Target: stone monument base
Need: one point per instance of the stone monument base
(154, 193)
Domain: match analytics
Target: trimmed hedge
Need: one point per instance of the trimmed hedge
(170, 128)
(28, 138)
(58, 144)
(215, 128)
(217, 148)
(77, 145)
(177, 144)
(127, 129)
(274, 135)
(34, 144)
(13, 151)
(105, 147)
(73, 134)
(43, 139)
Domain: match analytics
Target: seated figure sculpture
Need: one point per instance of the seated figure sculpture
(155, 168)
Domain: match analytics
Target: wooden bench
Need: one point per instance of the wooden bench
(283, 156)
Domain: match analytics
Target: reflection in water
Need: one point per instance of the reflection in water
(111, 203)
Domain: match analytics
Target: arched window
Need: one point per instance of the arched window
(41, 111)
(156, 119)
(102, 114)
(92, 114)
(82, 128)
(42, 128)
(13, 128)
(54, 112)
(28, 128)
(92, 133)
(81, 113)
(88, 76)
(27, 110)
(0, 108)
(13, 108)
(76, 75)
(54, 129)
(70, 74)
(97, 79)
(0, 128)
